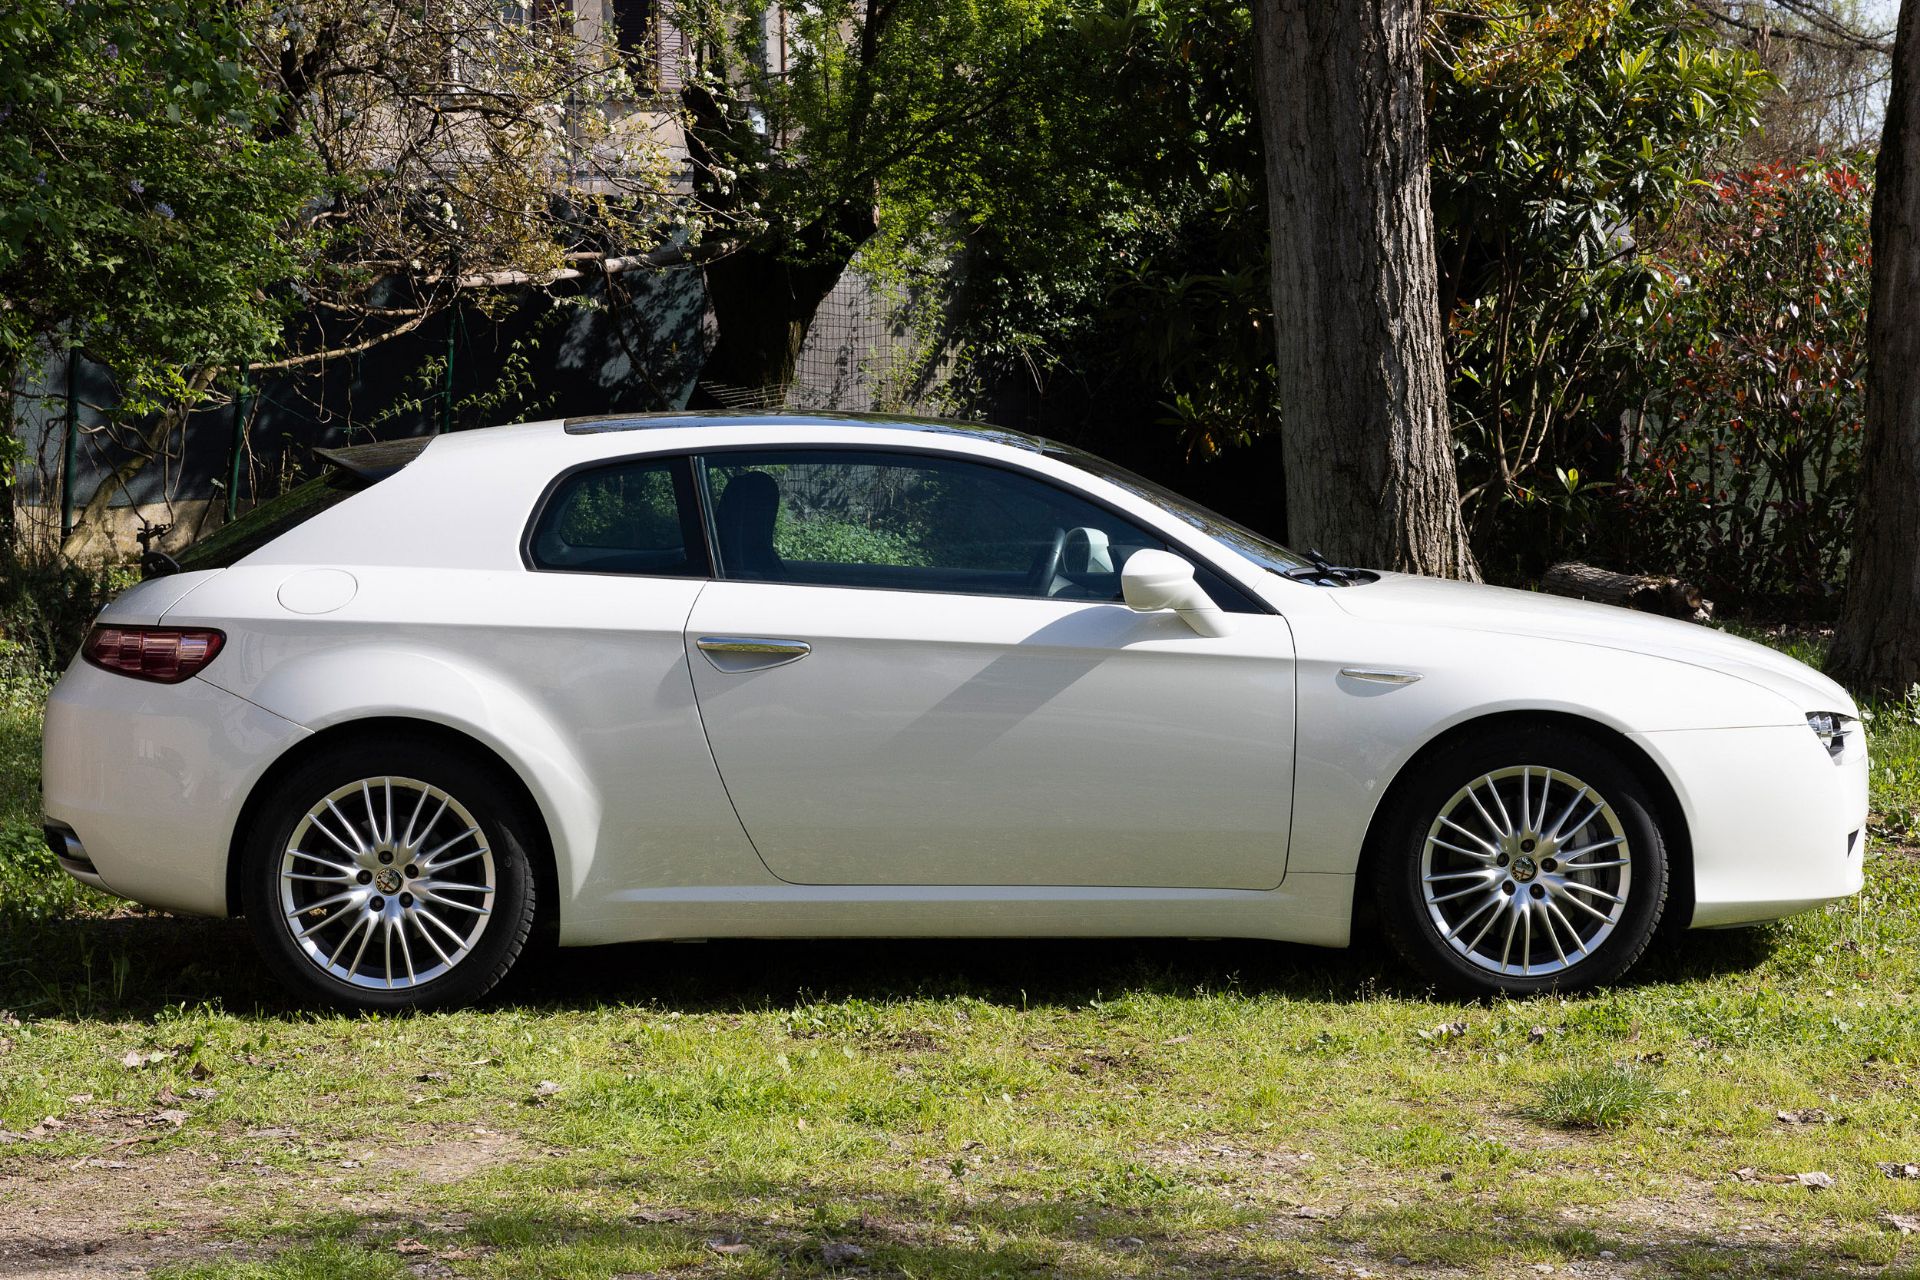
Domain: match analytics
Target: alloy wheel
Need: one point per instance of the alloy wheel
(387, 883)
(1526, 871)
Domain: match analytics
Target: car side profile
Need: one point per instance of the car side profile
(687, 676)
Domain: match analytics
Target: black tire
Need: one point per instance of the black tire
(1527, 876)
(382, 888)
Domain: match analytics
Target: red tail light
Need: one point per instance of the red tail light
(167, 655)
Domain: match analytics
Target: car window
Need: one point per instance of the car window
(913, 523)
(635, 516)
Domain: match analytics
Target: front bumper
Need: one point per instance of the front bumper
(142, 784)
(1778, 826)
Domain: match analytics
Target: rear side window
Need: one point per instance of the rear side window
(633, 517)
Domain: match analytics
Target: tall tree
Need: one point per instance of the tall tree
(1878, 643)
(1366, 439)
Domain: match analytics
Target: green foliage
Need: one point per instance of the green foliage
(1564, 139)
(904, 104)
(46, 608)
(1121, 264)
(141, 210)
(1743, 471)
(32, 886)
(1125, 276)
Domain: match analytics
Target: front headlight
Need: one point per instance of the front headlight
(1833, 730)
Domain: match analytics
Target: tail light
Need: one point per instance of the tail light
(166, 655)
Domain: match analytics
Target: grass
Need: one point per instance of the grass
(963, 1109)
(1610, 1096)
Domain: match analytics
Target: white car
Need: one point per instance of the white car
(779, 676)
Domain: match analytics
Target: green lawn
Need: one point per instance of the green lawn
(1023, 1109)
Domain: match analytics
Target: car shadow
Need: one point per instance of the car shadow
(137, 964)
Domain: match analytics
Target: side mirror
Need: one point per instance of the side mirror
(1156, 580)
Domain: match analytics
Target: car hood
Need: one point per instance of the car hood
(1469, 606)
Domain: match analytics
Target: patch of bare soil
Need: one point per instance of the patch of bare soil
(128, 1209)
(106, 1215)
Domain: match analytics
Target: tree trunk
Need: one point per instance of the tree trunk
(763, 306)
(1366, 440)
(1877, 648)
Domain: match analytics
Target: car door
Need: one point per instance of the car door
(914, 668)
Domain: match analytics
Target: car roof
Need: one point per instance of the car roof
(982, 431)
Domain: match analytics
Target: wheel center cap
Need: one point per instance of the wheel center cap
(1524, 868)
(387, 880)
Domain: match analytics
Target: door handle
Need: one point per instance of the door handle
(748, 653)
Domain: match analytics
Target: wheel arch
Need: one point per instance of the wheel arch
(386, 728)
(1672, 817)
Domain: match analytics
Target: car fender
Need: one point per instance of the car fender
(1358, 735)
(327, 688)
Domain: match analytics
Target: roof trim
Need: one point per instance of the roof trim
(983, 431)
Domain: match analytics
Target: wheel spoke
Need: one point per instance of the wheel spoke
(458, 942)
(365, 938)
(359, 845)
(1561, 824)
(354, 850)
(1526, 807)
(1553, 934)
(419, 915)
(386, 945)
(441, 886)
(1526, 941)
(338, 898)
(1465, 853)
(1595, 912)
(419, 804)
(437, 867)
(334, 918)
(439, 901)
(1579, 943)
(1587, 888)
(1506, 948)
(1482, 841)
(470, 831)
(1469, 918)
(1506, 819)
(345, 877)
(1595, 847)
(1479, 873)
(1595, 866)
(406, 949)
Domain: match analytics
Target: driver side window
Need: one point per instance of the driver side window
(911, 522)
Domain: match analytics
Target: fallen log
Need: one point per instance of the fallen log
(1649, 593)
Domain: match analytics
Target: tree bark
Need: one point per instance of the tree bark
(1366, 439)
(764, 302)
(1877, 647)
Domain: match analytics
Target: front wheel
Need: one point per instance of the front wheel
(389, 875)
(1528, 860)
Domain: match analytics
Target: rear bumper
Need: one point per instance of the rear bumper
(1778, 826)
(141, 783)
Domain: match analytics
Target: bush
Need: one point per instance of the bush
(46, 608)
(1740, 473)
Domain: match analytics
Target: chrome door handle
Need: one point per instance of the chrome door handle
(1380, 675)
(750, 653)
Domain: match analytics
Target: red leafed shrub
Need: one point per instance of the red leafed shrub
(1739, 471)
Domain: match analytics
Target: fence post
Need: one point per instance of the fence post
(446, 390)
(70, 449)
(239, 446)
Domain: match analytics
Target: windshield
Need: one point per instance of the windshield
(1230, 534)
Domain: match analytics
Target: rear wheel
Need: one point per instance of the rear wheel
(389, 876)
(1529, 860)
